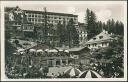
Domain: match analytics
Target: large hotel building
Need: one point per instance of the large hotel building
(25, 20)
(52, 17)
(38, 17)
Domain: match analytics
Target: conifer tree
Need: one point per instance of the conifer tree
(73, 37)
(90, 23)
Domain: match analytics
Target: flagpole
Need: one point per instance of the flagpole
(45, 28)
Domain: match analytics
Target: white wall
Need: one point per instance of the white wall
(98, 45)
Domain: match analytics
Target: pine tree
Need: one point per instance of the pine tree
(73, 37)
(111, 26)
(99, 27)
(121, 28)
(111, 58)
(59, 32)
(115, 27)
(90, 24)
(69, 32)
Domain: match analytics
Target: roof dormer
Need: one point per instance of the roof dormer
(100, 37)
(94, 38)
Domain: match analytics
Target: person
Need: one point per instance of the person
(59, 75)
(45, 71)
(65, 75)
(25, 75)
(52, 76)
(41, 71)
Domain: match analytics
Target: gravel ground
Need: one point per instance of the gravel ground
(55, 70)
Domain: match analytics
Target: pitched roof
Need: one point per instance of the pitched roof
(75, 49)
(40, 46)
(41, 12)
(102, 37)
(50, 13)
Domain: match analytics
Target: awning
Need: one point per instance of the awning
(40, 50)
(20, 50)
(53, 50)
(32, 50)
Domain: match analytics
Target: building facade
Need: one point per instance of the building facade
(38, 17)
(81, 28)
(16, 23)
(101, 40)
(23, 22)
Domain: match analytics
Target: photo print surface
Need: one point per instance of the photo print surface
(72, 40)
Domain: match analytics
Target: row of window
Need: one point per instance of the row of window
(53, 18)
(42, 20)
(82, 35)
(95, 44)
(28, 28)
(16, 23)
(100, 37)
(50, 16)
(36, 20)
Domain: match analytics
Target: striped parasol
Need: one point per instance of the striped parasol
(40, 50)
(60, 50)
(22, 53)
(32, 50)
(72, 72)
(20, 50)
(53, 50)
(14, 53)
(89, 74)
(46, 50)
(67, 51)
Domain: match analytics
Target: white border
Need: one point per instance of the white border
(5, 3)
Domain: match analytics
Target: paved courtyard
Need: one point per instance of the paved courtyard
(55, 70)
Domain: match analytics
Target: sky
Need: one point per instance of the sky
(103, 11)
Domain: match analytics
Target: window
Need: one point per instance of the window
(103, 43)
(29, 15)
(94, 38)
(100, 37)
(95, 44)
(42, 20)
(59, 17)
(39, 20)
(48, 16)
(56, 21)
(88, 45)
(39, 16)
(32, 15)
(42, 16)
(32, 19)
(29, 19)
(55, 17)
(35, 15)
